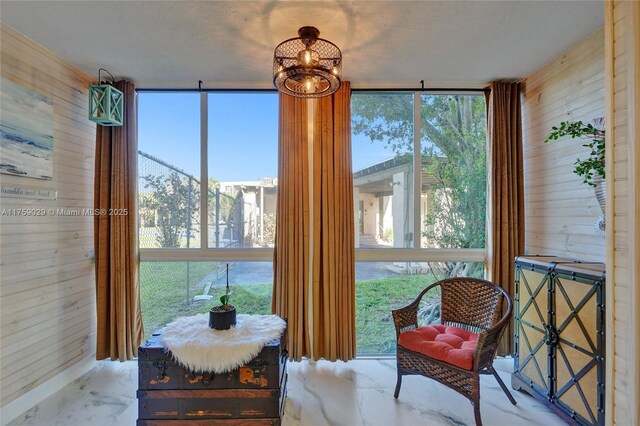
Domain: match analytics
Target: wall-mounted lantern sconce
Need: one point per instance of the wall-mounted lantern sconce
(105, 103)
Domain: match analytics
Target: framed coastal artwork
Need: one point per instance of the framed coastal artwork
(26, 132)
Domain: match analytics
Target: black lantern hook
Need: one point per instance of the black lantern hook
(422, 85)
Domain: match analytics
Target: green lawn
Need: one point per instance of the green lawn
(163, 289)
(375, 332)
(164, 298)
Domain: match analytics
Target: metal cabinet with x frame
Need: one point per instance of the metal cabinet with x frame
(560, 336)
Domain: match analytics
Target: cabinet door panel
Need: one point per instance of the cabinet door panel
(576, 375)
(532, 314)
(576, 313)
(580, 395)
(533, 357)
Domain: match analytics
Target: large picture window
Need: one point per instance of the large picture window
(208, 184)
(446, 142)
(414, 228)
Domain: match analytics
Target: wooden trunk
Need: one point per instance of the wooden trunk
(559, 336)
(169, 394)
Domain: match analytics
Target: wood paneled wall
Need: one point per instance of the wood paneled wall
(47, 295)
(622, 31)
(560, 210)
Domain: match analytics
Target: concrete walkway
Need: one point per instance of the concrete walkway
(247, 273)
(250, 273)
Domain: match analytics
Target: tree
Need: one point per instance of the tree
(175, 199)
(453, 142)
(269, 232)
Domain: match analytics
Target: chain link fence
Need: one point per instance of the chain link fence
(170, 216)
(169, 210)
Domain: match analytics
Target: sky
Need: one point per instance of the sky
(242, 134)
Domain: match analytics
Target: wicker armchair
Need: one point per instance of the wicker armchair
(471, 306)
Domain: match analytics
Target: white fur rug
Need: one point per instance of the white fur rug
(199, 348)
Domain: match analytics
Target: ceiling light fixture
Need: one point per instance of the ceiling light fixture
(307, 66)
(105, 103)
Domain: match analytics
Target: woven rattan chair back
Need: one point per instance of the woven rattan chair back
(470, 303)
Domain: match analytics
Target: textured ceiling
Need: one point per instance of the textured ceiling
(230, 43)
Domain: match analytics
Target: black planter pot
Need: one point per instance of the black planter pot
(222, 320)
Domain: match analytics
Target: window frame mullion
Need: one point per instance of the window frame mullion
(204, 172)
(417, 173)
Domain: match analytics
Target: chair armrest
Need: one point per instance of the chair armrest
(406, 318)
(488, 341)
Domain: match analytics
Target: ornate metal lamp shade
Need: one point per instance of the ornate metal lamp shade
(307, 66)
(105, 104)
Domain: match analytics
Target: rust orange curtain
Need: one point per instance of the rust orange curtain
(291, 253)
(314, 257)
(506, 188)
(333, 284)
(119, 328)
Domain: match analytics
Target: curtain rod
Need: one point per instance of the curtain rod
(377, 89)
(197, 90)
(359, 89)
(425, 89)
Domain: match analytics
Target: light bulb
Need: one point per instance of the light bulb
(335, 70)
(307, 57)
(308, 85)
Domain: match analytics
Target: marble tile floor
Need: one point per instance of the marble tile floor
(358, 392)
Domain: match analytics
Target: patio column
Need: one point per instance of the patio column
(261, 212)
(356, 198)
(398, 207)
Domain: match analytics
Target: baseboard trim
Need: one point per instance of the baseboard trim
(38, 394)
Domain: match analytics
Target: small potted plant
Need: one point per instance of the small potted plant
(224, 316)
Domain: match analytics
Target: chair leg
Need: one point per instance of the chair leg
(398, 384)
(476, 411)
(475, 398)
(504, 388)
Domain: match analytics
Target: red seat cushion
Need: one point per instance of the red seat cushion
(449, 344)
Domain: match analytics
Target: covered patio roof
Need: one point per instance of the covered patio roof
(378, 178)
